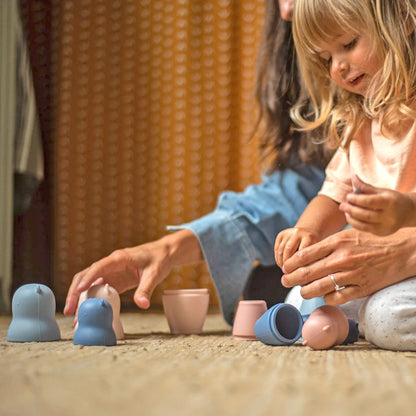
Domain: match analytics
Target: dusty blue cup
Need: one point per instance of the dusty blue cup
(279, 325)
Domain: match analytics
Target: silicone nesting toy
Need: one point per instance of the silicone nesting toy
(111, 295)
(279, 325)
(309, 305)
(33, 309)
(326, 327)
(95, 323)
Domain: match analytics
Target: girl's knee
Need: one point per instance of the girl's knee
(388, 317)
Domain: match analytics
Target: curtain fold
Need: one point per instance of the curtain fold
(7, 127)
(21, 157)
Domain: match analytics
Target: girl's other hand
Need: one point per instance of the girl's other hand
(378, 210)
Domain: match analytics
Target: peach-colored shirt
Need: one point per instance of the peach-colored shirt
(377, 160)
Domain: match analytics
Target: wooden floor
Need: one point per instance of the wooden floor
(154, 373)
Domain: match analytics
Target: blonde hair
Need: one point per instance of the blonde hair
(392, 91)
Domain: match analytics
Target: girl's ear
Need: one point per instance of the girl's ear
(410, 26)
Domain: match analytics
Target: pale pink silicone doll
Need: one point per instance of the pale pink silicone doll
(326, 327)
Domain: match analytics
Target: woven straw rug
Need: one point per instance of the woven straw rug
(154, 373)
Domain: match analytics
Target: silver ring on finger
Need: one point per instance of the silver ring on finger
(337, 287)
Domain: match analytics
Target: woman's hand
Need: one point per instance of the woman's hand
(362, 262)
(143, 266)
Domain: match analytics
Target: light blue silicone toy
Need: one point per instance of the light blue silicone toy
(33, 308)
(309, 305)
(95, 323)
(279, 325)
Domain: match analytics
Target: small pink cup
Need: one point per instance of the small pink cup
(186, 310)
(248, 311)
(184, 291)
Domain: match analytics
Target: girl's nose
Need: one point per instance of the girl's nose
(339, 66)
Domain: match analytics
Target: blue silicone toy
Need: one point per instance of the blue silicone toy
(33, 308)
(279, 325)
(309, 305)
(95, 323)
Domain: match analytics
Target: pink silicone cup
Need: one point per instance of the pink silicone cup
(184, 291)
(248, 311)
(186, 312)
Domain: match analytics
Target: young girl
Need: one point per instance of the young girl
(358, 62)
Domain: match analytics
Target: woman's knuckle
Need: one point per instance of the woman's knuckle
(117, 255)
(305, 274)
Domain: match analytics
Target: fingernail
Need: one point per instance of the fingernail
(144, 302)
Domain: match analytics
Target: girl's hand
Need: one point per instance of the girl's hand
(378, 210)
(289, 241)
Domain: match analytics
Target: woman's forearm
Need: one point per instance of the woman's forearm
(182, 247)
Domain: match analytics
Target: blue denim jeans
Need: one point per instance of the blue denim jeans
(243, 227)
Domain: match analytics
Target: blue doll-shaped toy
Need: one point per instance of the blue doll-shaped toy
(95, 323)
(33, 309)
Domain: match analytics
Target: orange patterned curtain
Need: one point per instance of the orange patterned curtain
(152, 111)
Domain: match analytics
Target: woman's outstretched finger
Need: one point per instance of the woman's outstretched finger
(83, 280)
(73, 294)
(149, 280)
